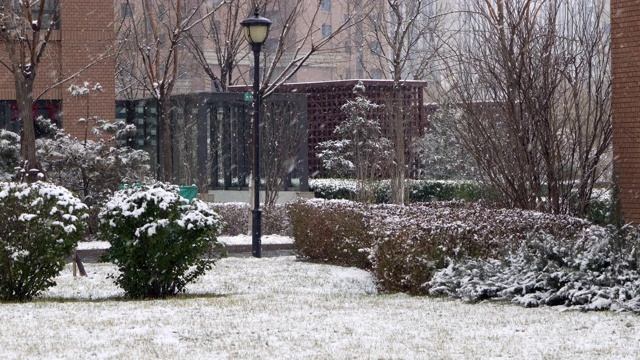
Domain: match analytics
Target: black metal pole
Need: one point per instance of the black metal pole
(256, 229)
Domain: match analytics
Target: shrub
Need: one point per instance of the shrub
(413, 242)
(39, 227)
(330, 189)
(92, 169)
(9, 154)
(237, 217)
(275, 220)
(158, 239)
(419, 190)
(596, 270)
(332, 231)
(405, 245)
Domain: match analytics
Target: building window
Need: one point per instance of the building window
(326, 5)
(126, 9)
(326, 31)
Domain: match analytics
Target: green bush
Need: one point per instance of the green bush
(332, 231)
(159, 241)
(39, 226)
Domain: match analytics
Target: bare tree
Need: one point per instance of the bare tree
(157, 34)
(532, 80)
(25, 32)
(296, 37)
(221, 34)
(403, 40)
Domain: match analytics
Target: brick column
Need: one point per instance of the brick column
(625, 67)
(87, 34)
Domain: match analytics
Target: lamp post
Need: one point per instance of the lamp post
(256, 29)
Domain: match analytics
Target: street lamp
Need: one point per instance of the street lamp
(256, 29)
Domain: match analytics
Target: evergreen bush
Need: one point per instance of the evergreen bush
(40, 224)
(159, 241)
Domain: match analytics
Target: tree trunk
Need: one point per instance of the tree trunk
(24, 97)
(166, 151)
(399, 158)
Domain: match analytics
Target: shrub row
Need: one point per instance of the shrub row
(237, 217)
(403, 246)
(418, 190)
(599, 210)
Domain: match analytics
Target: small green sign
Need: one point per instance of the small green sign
(248, 97)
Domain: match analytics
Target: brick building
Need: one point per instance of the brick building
(625, 68)
(82, 40)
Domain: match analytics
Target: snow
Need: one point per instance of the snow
(286, 309)
(227, 240)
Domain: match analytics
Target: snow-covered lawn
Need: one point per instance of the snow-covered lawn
(281, 308)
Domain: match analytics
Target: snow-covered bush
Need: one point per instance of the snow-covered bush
(237, 217)
(92, 169)
(9, 154)
(413, 242)
(596, 270)
(343, 189)
(159, 241)
(405, 245)
(39, 226)
(332, 231)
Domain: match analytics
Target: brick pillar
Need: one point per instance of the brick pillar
(625, 67)
(87, 33)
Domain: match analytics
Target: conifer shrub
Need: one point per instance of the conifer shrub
(332, 231)
(598, 269)
(159, 241)
(40, 224)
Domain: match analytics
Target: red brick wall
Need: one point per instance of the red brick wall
(625, 60)
(86, 34)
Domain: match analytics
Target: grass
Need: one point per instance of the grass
(279, 308)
